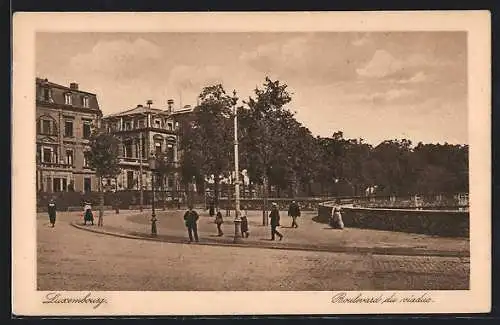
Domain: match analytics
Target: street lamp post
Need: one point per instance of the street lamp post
(237, 218)
(152, 166)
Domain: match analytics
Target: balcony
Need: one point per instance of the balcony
(55, 165)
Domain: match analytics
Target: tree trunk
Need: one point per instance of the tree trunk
(101, 204)
(216, 192)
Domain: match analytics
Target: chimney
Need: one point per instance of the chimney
(149, 103)
(73, 86)
(170, 103)
(139, 105)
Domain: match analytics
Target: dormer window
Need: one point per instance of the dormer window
(169, 126)
(85, 101)
(67, 99)
(46, 94)
(157, 124)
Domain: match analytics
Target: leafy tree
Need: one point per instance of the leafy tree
(266, 124)
(103, 158)
(207, 142)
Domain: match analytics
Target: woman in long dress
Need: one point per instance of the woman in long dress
(336, 218)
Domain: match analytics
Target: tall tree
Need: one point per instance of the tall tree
(103, 158)
(208, 141)
(265, 125)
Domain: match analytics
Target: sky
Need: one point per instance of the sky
(375, 86)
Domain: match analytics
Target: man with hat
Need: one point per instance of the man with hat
(294, 212)
(275, 221)
(190, 219)
(51, 209)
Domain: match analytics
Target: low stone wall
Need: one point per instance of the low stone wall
(444, 223)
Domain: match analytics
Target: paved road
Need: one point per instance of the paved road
(72, 259)
(310, 234)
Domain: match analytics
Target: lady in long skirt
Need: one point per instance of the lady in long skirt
(336, 218)
(87, 215)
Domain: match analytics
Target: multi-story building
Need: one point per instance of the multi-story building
(143, 131)
(65, 117)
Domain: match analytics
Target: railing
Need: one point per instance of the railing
(55, 165)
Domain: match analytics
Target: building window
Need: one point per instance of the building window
(67, 99)
(46, 127)
(86, 130)
(169, 126)
(46, 94)
(64, 184)
(128, 126)
(170, 152)
(130, 179)
(47, 155)
(128, 149)
(68, 128)
(87, 184)
(170, 182)
(69, 157)
(56, 184)
(141, 123)
(86, 159)
(85, 101)
(157, 124)
(158, 147)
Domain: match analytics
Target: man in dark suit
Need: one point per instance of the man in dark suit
(294, 212)
(191, 220)
(275, 221)
(51, 208)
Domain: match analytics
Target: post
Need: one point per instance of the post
(265, 221)
(237, 218)
(153, 214)
(141, 191)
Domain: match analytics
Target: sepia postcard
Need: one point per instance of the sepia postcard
(246, 163)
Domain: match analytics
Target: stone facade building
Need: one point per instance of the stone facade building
(143, 131)
(65, 117)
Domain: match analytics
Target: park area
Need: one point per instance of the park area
(123, 256)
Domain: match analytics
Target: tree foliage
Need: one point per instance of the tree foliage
(277, 147)
(103, 154)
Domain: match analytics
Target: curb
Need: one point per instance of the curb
(335, 249)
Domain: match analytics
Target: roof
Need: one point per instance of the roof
(54, 85)
(138, 110)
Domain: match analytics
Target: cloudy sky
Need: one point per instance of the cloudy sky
(374, 86)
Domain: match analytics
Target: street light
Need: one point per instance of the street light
(153, 166)
(237, 218)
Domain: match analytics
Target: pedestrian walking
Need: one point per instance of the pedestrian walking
(244, 227)
(88, 216)
(190, 219)
(275, 221)
(51, 209)
(219, 221)
(294, 212)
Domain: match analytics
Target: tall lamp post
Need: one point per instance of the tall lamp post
(153, 165)
(237, 218)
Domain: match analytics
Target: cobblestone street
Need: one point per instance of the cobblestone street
(72, 259)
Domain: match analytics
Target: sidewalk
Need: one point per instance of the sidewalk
(310, 236)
